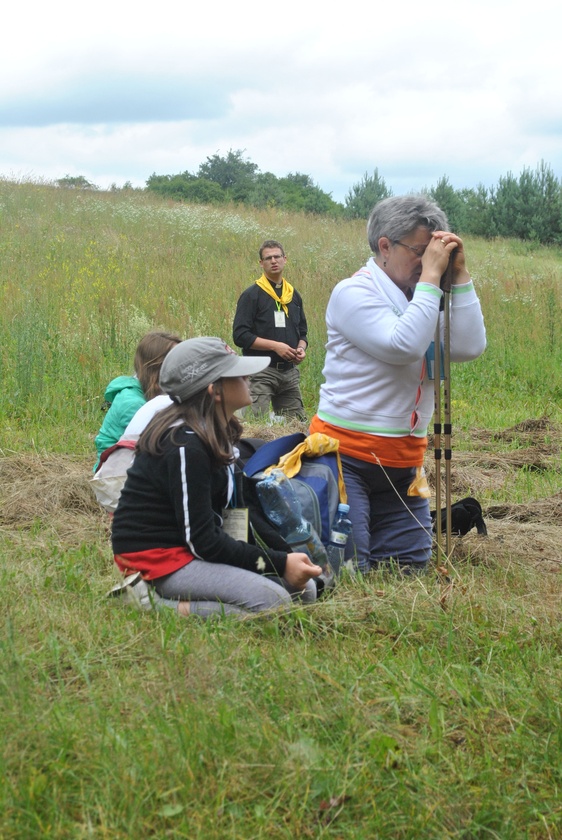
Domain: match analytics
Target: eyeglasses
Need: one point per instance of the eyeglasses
(275, 257)
(419, 251)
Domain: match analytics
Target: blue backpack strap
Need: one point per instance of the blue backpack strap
(269, 454)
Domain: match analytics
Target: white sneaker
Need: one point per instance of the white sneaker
(276, 419)
(135, 592)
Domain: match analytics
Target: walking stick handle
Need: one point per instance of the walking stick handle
(447, 276)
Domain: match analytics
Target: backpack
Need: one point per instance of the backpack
(317, 482)
(111, 472)
(465, 515)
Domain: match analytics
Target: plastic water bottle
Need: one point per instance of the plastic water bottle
(282, 507)
(339, 534)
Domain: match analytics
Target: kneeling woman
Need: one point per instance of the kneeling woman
(169, 522)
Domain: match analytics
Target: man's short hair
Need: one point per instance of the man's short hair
(271, 243)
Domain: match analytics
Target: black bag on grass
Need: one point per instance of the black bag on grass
(465, 515)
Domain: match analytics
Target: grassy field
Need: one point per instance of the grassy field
(85, 275)
(393, 709)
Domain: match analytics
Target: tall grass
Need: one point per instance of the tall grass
(395, 709)
(84, 275)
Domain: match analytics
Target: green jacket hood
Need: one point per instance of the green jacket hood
(120, 383)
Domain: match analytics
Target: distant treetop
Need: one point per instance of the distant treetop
(75, 182)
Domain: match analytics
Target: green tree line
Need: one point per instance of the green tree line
(528, 206)
(525, 207)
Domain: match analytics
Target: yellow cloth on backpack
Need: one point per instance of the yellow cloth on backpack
(312, 446)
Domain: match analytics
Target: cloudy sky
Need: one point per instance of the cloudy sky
(118, 90)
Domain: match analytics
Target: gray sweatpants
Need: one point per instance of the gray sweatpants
(213, 588)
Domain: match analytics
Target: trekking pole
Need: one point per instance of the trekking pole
(437, 438)
(447, 428)
(446, 281)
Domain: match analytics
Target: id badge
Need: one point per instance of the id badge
(235, 523)
(279, 318)
(430, 362)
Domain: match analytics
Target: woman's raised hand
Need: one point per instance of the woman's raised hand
(453, 245)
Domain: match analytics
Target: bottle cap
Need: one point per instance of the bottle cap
(343, 508)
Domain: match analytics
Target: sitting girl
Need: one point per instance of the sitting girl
(168, 533)
(126, 394)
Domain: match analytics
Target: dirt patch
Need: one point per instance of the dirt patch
(51, 496)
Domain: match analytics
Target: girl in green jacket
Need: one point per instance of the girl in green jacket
(126, 394)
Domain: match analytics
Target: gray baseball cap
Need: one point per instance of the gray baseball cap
(193, 364)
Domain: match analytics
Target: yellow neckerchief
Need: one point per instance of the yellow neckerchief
(284, 298)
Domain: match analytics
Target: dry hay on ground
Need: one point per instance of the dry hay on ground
(544, 511)
(528, 533)
(474, 473)
(486, 466)
(539, 457)
(469, 479)
(532, 432)
(51, 496)
(32, 487)
(536, 544)
(52, 490)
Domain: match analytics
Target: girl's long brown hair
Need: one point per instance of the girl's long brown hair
(151, 351)
(202, 413)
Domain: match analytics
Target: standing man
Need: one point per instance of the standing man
(270, 321)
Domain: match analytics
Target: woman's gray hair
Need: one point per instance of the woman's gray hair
(399, 215)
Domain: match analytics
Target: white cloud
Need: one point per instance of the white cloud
(470, 90)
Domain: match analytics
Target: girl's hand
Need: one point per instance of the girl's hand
(299, 569)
